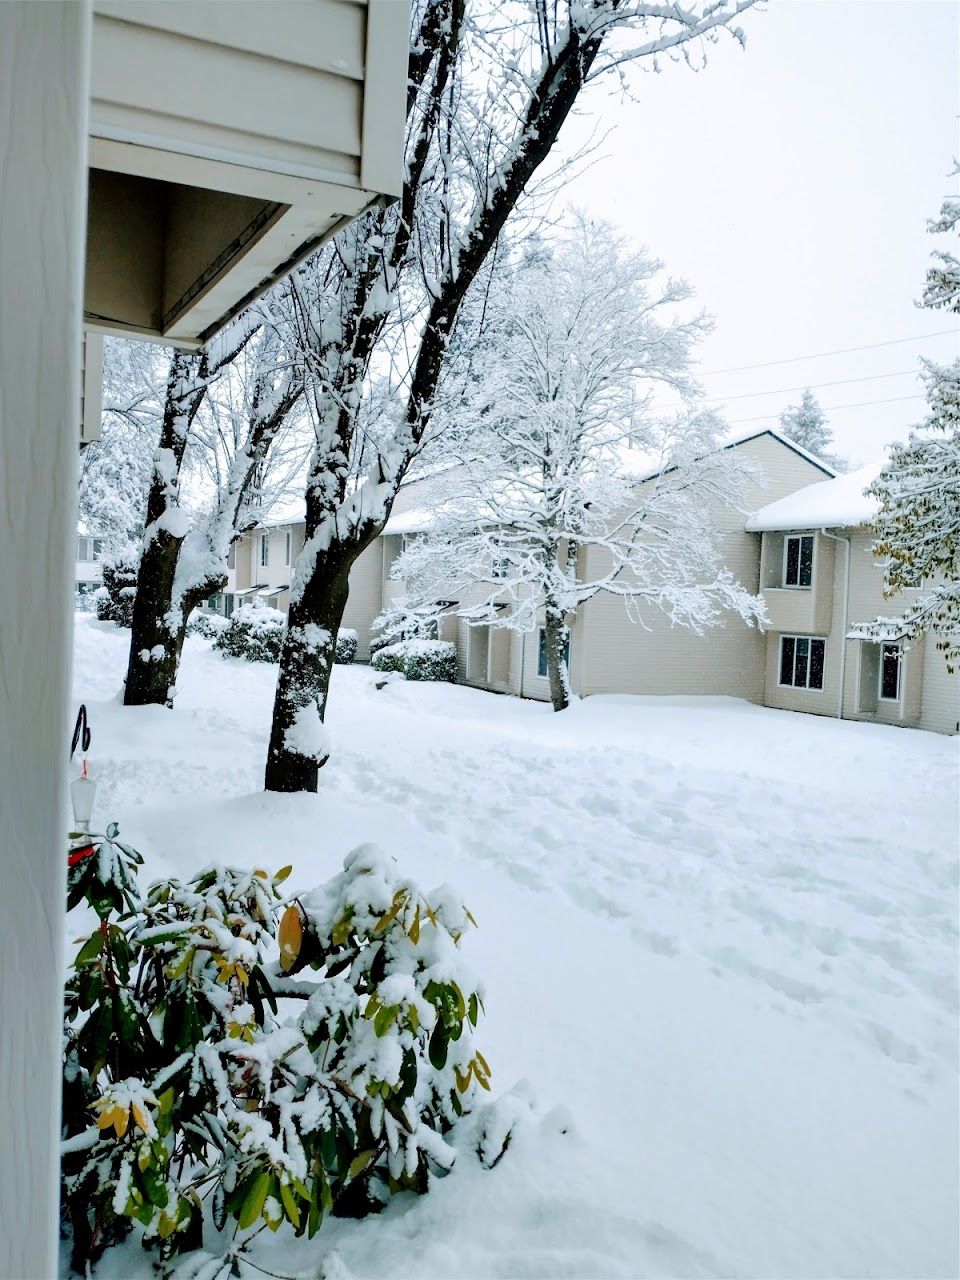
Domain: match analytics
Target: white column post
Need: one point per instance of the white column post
(44, 75)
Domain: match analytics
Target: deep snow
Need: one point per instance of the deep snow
(719, 946)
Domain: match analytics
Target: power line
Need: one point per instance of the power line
(819, 355)
(835, 408)
(810, 386)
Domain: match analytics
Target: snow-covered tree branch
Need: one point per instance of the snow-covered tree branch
(490, 88)
(184, 553)
(918, 525)
(567, 483)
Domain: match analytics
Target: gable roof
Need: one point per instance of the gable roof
(837, 503)
(732, 441)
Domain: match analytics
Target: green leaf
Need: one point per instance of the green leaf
(154, 1184)
(385, 1018)
(290, 1205)
(282, 874)
(254, 1202)
(472, 1011)
(90, 950)
(359, 1163)
(438, 1046)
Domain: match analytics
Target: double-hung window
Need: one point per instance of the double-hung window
(801, 661)
(264, 549)
(798, 560)
(286, 547)
(891, 666)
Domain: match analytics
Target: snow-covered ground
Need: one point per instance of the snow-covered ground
(718, 942)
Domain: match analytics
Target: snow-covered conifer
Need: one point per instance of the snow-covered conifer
(806, 424)
(918, 525)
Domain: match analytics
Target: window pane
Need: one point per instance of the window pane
(806, 562)
(817, 653)
(790, 577)
(787, 647)
(890, 672)
(802, 663)
(542, 654)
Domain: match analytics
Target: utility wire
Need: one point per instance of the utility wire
(810, 386)
(818, 355)
(835, 408)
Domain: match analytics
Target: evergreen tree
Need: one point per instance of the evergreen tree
(806, 424)
(918, 525)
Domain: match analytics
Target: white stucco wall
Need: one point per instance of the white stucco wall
(44, 55)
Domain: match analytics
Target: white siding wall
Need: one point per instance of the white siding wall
(620, 656)
(364, 602)
(930, 695)
(43, 123)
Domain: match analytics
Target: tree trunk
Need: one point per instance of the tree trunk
(306, 664)
(154, 648)
(558, 642)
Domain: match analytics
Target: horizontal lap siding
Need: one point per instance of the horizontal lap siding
(940, 703)
(364, 600)
(621, 656)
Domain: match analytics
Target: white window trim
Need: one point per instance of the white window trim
(889, 644)
(801, 688)
(796, 586)
(264, 551)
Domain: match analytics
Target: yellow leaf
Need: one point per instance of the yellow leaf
(140, 1117)
(470, 917)
(483, 1062)
(241, 974)
(166, 1226)
(463, 1081)
(399, 898)
(262, 874)
(122, 1118)
(290, 936)
(282, 874)
(106, 1118)
(415, 928)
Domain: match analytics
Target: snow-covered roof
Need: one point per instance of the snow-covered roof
(837, 503)
(741, 437)
(416, 520)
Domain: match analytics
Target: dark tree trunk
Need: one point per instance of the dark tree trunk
(306, 667)
(557, 635)
(154, 647)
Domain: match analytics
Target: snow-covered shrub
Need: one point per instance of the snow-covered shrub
(206, 623)
(191, 1099)
(346, 647)
(419, 659)
(254, 632)
(115, 598)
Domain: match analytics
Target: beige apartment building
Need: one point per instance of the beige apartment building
(807, 549)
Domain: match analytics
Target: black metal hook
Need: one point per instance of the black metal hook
(81, 732)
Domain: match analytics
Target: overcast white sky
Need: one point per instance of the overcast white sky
(790, 183)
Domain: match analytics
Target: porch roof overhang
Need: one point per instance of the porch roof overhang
(227, 141)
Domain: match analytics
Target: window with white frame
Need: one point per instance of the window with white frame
(287, 542)
(798, 560)
(891, 668)
(84, 550)
(801, 661)
(542, 652)
(232, 556)
(264, 549)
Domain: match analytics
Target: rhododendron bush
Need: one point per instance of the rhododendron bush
(234, 1060)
